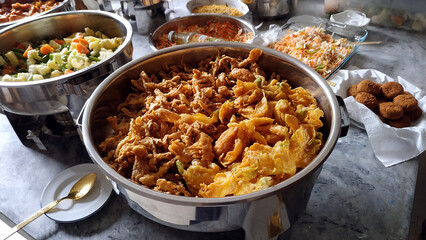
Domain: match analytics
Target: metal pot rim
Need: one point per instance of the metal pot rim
(63, 78)
(122, 181)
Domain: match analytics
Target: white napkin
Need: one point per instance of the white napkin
(391, 145)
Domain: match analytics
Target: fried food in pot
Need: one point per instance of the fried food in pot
(177, 134)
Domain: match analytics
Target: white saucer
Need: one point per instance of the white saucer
(69, 210)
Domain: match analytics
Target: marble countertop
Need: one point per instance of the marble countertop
(355, 196)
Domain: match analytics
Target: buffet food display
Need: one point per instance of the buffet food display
(222, 129)
(32, 61)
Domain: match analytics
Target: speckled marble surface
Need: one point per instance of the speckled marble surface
(355, 196)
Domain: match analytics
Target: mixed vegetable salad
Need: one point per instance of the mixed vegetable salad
(31, 61)
(313, 46)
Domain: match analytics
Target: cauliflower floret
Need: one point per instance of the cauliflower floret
(111, 43)
(104, 54)
(52, 65)
(99, 34)
(78, 61)
(89, 32)
(43, 69)
(32, 57)
(32, 69)
(55, 73)
(93, 45)
(56, 62)
(7, 78)
(54, 44)
(37, 77)
(22, 77)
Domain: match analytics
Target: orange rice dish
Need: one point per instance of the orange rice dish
(222, 30)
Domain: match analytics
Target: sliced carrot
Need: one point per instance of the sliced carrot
(58, 41)
(81, 48)
(26, 51)
(8, 69)
(68, 71)
(20, 46)
(82, 41)
(46, 49)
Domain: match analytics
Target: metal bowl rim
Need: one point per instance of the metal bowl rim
(63, 78)
(140, 189)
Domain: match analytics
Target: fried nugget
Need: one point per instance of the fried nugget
(390, 110)
(368, 100)
(369, 86)
(402, 122)
(407, 101)
(391, 89)
(352, 90)
(414, 114)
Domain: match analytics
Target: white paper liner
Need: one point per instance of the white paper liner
(390, 145)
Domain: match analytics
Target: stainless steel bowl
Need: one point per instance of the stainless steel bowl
(66, 5)
(261, 214)
(239, 5)
(272, 9)
(200, 19)
(66, 92)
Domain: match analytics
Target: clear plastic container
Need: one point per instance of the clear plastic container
(407, 14)
(334, 29)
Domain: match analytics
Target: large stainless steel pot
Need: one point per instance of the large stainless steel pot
(271, 9)
(263, 214)
(65, 5)
(66, 92)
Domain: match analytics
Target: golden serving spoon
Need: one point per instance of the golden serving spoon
(78, 190)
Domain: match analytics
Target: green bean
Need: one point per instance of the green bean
(94, 59)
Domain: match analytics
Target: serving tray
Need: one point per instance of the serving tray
(335, 29)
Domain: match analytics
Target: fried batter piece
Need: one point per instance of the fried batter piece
(223, 128)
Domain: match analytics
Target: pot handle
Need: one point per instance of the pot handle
(344, 114)
(79, 120)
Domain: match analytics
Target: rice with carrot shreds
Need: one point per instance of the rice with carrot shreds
(223, 30)
(219, 9)
(316, 48)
